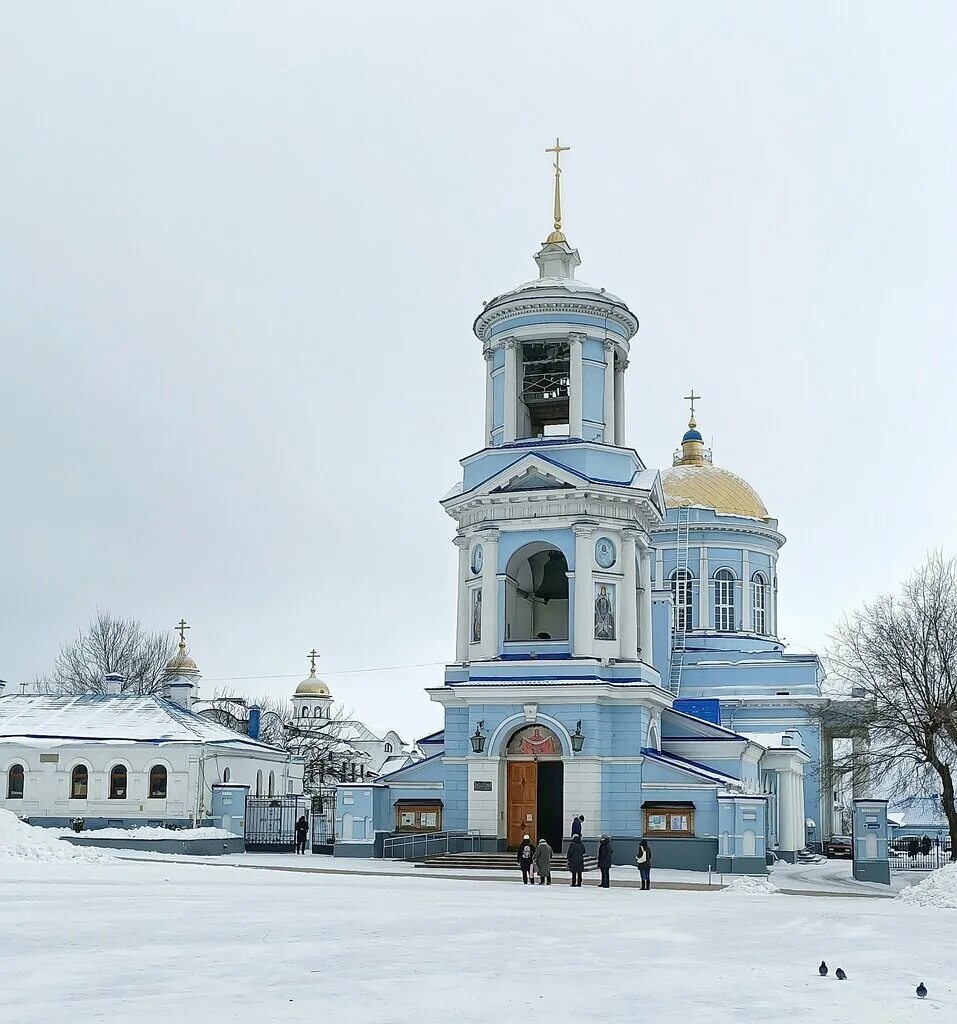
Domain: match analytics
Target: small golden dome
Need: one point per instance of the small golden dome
(312, 687)
(707, 486)
(181, 664)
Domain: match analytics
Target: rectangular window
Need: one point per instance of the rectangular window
(669, 821)
(418, 818)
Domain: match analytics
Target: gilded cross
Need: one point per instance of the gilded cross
(558, 149)
(313, 654)
(182, 627)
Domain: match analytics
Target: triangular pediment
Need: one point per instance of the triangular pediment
(531, 473)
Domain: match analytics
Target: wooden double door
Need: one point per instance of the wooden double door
(534, 801)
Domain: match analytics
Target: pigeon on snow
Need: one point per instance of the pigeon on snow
(822, 970)
(921, 990)
(840, 975)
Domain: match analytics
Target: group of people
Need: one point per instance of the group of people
(536, 860)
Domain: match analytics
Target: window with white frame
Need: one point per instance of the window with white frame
(388, 748)
(724, 600)
(759, 603)
(682, 590)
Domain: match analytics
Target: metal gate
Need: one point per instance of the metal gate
(919, 853)
(323, 824)
(271, 822)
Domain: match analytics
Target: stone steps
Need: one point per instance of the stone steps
(494, 862)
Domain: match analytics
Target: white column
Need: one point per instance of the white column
(575, 385)
(786, 838)
(608, 395)
(704, 590)
(464, 612)
(620, 400)
(628, 608)
(584, 591)
(511, 390)
(489, 395)
(660, 569)
(489, 644)
(746, 591)
(644, 631)
(772, 599)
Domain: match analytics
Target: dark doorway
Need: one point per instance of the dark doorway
(551, 812)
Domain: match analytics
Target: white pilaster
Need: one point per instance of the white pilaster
(704, 590)
(787, 839)
(620, 368)
(629, 597)
(464, 612)
(511, 390)
(659, 569)
(489, 395)
(575, 384)
(644, 613)
(608, 395)
(489, 644)
(584, 590)
(746, 591)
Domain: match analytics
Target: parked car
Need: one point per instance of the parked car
(839, 846)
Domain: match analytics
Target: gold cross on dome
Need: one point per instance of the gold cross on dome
(558, 149)
(313, 654)
(182, 627)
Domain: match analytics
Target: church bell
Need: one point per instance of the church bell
(554, 581)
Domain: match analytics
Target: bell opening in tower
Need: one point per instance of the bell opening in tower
(546, 372)
(536, 595)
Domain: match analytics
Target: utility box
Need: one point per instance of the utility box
(871, 842)
(228, 809)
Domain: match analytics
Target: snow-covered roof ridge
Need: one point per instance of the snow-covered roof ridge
(105, 717)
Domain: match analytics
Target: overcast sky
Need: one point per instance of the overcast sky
(242, 245)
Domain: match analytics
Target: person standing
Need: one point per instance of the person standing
(604, 861)
(577, 825)
(525, 854)
(302, 833)
(543, 862)
(576, 860)
(644, 864)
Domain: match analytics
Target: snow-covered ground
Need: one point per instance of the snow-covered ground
(133, 941)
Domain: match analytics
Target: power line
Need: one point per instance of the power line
(343, 672)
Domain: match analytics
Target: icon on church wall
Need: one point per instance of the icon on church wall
(604, 611)
(534, 740)
(476, 615)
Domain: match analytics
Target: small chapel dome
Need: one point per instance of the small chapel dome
(694, 481)
(312, 687)
(181, 664)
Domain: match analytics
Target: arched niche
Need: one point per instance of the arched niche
(536, 594)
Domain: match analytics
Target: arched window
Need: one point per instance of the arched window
(682, 590)
(118, 782)
(724, 600)
(272, 784)
(318, 713)
(759, 603)
(536, 596)
(259, 783)
(79, 782)
(226, 775)
(388, 748)
(158, 779)
(304, 713)
(15, 782)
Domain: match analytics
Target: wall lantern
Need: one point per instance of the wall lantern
(478, 740)
(578, 737)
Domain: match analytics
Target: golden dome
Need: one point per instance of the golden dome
(181, 664)
(312, 687)
(705, 486)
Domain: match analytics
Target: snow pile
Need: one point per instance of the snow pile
(938, 889)
(151, 833)
(19, 841)
(750, 885)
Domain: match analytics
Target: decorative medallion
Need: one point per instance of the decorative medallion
(605, 553)
(477, 559)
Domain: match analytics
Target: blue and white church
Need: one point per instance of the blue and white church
(616, 648)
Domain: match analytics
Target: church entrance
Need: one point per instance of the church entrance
(535, 785)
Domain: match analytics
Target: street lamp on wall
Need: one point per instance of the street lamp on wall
(578, 737)
(477, 739)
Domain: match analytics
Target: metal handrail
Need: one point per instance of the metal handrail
(433, 842)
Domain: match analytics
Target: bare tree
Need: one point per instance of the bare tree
(111, 644)
(899, 654)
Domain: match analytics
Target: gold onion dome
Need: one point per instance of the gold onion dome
(312, 687)
(694, 482)
(181, 664)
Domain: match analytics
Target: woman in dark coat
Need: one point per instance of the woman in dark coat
(525, 853)
(604, 861)
(644, 864)
(576, 860)
(302, 834)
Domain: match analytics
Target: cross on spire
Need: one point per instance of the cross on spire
(557, 149)
(313, 654)
(182, 627)
(692, 398)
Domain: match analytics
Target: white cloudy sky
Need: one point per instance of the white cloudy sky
(242, 244)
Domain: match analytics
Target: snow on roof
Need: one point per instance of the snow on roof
(776, 740)
(109, 718)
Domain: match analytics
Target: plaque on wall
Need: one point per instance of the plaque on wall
(482, 787)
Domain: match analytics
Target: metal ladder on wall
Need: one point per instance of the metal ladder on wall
(682, 581)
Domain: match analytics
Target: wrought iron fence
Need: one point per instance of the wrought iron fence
(271, 822)
(919, 853)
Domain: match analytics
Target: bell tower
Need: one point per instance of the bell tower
(554, 513)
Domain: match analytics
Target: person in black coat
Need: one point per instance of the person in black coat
(302, 833)
(644, 863)
(604, 861)
(576, 860)
(525, 854)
